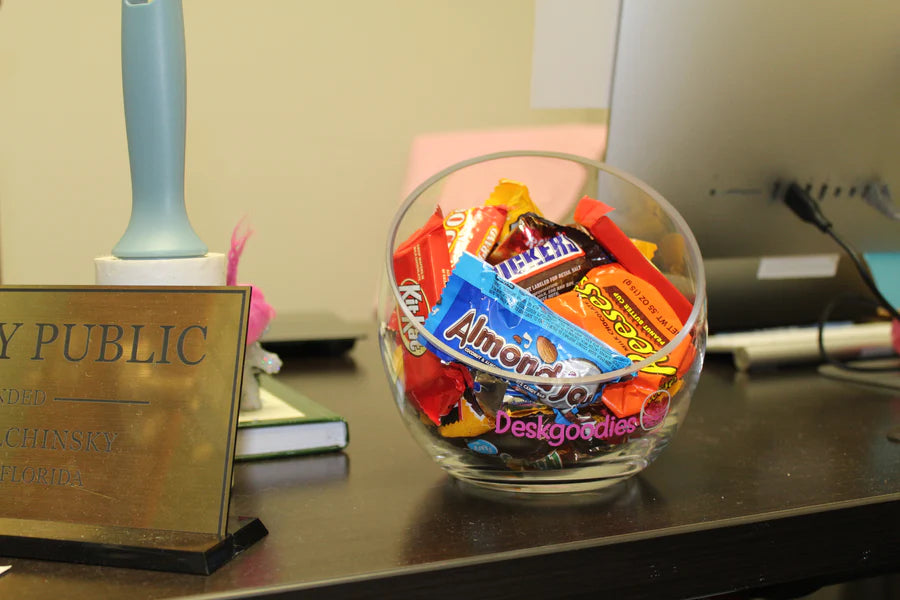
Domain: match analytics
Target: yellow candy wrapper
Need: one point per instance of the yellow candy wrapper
(472, 422)
(514, 196)
(648, 249)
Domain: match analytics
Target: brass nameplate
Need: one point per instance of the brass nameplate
(118, 405)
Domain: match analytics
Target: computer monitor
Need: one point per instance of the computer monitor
(720, 105)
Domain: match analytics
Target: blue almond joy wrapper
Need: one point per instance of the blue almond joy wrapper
(482, 315)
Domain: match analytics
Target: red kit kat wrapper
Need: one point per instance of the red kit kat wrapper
(421, 268)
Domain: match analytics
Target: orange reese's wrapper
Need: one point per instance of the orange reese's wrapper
(630, 315)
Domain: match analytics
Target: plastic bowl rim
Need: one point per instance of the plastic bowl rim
(693, 250)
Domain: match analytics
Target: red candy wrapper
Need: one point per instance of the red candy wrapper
(434, 387)
(592, 214)
(528, 231)
(474, 230)
(421, 268)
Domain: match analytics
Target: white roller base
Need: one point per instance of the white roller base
(202, 270)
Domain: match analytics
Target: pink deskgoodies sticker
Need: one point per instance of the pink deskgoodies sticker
(655, 409)
(555, 433)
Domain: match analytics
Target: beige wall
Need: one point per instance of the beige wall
(300, 115)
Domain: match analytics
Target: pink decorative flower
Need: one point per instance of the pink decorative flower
(261, 312)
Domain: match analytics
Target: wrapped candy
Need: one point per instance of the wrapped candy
(421, 268)
(498, 323)
(474, 230)
(631, 316)
(554, 265)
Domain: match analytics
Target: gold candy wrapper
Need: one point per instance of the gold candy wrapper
(648, 249)
(472, 422)
(514, 196)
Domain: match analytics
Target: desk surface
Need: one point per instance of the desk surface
(774, 477)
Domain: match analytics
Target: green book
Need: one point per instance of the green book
(287, 424)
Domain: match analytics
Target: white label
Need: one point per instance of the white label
(811, 266)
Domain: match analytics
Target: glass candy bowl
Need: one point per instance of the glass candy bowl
(495, 392)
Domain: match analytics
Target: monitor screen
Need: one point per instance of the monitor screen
(720, 105)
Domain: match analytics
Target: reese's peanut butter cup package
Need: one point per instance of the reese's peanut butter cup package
(421, 269)
(495, 322)
(631, 316)
(592, 214)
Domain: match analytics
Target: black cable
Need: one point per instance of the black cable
(806, 208)
(865, 273)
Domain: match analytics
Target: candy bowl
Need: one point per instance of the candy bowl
(542, 321)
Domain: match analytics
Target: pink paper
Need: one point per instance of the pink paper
(554, 185)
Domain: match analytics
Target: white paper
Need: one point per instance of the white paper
(5, 568)
(809, 266)
(573, 52)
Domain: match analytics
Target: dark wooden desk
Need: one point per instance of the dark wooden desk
(774, 478)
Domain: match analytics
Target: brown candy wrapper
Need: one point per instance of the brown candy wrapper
(555, 265)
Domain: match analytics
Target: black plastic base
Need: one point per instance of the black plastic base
(181, 554)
